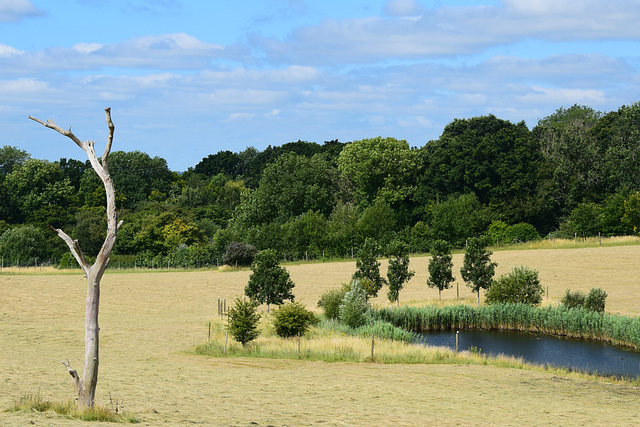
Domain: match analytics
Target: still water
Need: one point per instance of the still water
(584, 355)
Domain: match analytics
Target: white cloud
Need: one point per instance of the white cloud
(87, 47)
(17, 10)
(22, 86)
(564, 96)
(9, 51)
(452, 30)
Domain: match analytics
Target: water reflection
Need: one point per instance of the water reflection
(540, 349)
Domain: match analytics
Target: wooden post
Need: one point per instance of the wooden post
(373, 343)
(457, 291)
(226, 338)
(575, 237)
(457, 341)
(209, 332)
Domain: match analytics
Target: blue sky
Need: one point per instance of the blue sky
(186, 79)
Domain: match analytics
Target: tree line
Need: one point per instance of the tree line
(575, 173)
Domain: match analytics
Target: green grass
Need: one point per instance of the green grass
(36, 403)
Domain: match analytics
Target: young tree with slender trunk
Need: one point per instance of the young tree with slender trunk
(269, 283)
(477, 269)
(85, 386)
(440, 267)
(398, 272)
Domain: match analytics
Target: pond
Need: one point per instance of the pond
(583, 355)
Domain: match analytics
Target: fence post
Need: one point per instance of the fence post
(373, 342)
(457, 334)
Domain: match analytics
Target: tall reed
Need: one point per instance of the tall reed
(575, 323)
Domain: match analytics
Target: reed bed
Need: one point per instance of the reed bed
(553, 320)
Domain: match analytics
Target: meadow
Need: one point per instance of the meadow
(151, 323)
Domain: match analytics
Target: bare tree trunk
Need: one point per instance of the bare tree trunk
(86, 386)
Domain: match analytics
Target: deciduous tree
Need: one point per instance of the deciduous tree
(269, 283)
(398, 272)
(440, 267)
(477, 269)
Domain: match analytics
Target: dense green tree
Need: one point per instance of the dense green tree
(368, 268)
(269, 283)
(35, 187)
(622, 156)
(457, 218)
(379, 168)
(631, 217)
(137, 177)
(440, 267)
(398, 272)
(494, 159)
(24, 244)
(90, 229)
(10, 159)
(343, 229)
(572, 156)
(306, 234)
(586, 219)
(289, 187)
(223, 162)
(377, 222)
(612, 213)
(157, 228)
(477, 268)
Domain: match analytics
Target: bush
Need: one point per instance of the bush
(354, 307)
(595, 301)
(521, 285)
(243, 321)
(330, 301)
(239, 254)
(573, 299)
(292, 319)
(523, 232)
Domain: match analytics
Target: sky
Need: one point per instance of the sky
(185, 79)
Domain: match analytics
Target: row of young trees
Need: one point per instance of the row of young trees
(575, 172)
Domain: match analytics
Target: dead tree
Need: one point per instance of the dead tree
(86, 386)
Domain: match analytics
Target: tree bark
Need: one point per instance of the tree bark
(85, 386)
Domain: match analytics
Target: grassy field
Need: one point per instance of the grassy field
(152, 321)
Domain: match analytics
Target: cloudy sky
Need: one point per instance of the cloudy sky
(187, 78)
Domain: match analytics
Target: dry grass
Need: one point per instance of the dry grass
(152, 321)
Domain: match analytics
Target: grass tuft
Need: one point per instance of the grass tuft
(35, 402)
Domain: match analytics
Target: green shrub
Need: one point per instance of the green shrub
(520, 285)
(243, 321)
(330, 301)
(292, 319)
(595, 301)
(573, 299)
(354, 307)
(238, 253)
(523, 232)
